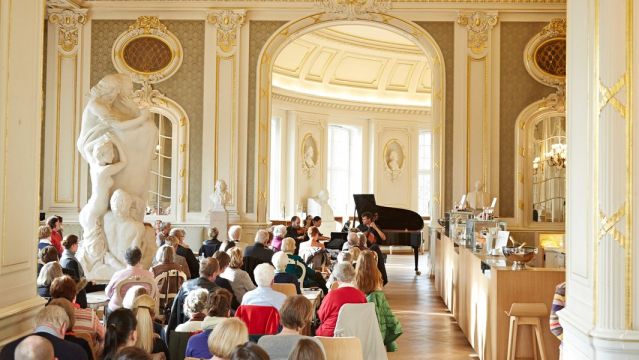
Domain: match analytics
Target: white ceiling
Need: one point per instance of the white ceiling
(358, 63)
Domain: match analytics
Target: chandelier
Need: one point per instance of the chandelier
(557, 156)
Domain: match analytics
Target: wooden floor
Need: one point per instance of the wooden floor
(430, 331)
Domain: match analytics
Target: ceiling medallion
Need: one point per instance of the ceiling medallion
(354, 9)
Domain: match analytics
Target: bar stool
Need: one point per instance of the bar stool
(526, 314)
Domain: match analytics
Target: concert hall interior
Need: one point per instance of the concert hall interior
(246, 149)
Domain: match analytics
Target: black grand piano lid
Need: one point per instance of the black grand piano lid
(389, 218)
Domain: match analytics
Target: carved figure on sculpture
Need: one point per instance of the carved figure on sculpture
(220, 197)
(309, 156)
(118, 140)
(393, 161)
(478, 199)
(319, 205)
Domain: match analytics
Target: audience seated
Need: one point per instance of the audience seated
(296, 313)
(120, 332)
(234, 235)
(34, 347)
(312, 278)
(184, 250)
(225, 337)
(211, 245)
(249, 351)
(264, 295)
(51, 324)
(147, 339)
(162, 232)
(133, 255)
(85, 320)
(225, 260)
(44, 238)
(73, 267)
(194, 308)
(280, 261)
(344, 294)
(352, 241)
(279, 232)
(369, 280)
(258, 253)
(209, 269)
(343, 257)
(219, 308)
(169, 284)
(177, 259)
(69, 335)
(55, 224)
(354, 251)
(131, 294)
(49, 271)
(46, 255)
(132, 353)
(308, 349)
(240, 280)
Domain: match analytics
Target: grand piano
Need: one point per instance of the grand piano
(402, 227)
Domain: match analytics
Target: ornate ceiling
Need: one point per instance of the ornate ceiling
(355, 63)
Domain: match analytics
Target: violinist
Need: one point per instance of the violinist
(375, 237)
(317, 222)
(296, 232)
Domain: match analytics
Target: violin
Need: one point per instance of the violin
(301, 231)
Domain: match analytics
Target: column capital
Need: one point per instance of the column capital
(227, 22)
(478, 24)
(68, 23)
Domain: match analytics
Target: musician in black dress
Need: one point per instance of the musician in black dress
(375, 236)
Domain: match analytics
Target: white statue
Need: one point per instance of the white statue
(220, 197)
(118, 140)
(393, 161)
(478, 199)
(319, 206)
(309, 156)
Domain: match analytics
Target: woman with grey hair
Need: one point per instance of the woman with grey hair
(184, 251)
(165, 262)
(343, 257)
(352, 240)
(49, 271)
(346, 293)
(195, 309)
(279, 232)
(210, 245)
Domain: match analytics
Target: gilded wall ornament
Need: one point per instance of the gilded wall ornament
(68, 24)
(545, 55)
(478, 25)
(353, 9)
(309, 154)
(227, 23)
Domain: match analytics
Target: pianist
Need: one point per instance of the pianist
(375, 236)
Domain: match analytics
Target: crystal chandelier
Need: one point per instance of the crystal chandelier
(557, 156)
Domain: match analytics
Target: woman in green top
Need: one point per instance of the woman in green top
(312, 278)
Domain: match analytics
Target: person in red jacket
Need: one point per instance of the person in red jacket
(346, 293)
(55, 223)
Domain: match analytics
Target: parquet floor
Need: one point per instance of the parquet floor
(430, 330)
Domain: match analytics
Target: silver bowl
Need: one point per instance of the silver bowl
(519, 255)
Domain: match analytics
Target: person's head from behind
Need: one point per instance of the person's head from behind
(44, 232)
(68, 309)
(235, 232)
(133, 255)
(313, 232)
(195, 302)
(367, 276)
(209, 268)
(249, 351)
(219, 303)
(144, 308)
(288, 245)
(344, 273)
(70, 243)
(223, 259)
(295, 221)
(49, 271)
(237, 259)
(172, 241)
(307, 349)
(164, 228)
(63, 287)
(120, 332)
(279, 231)
(352, 239)
(280, 260)
(132, 353)
(354, 251)
(226, 336)
(53, 317)
(48, 254)
(264, 275)
(179, 233)
(213, 233)
(345, 257)
(54, 223)
(262, 237)
(165, 254)
(131, 294)
(296, 312)
(34, 347)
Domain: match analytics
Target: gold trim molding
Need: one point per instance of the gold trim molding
(553, 31)
(350, 107)
(227, 22)
(353, 9)
(478, 25)
(68, 24)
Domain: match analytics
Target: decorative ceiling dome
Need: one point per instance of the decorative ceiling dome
(358, 63)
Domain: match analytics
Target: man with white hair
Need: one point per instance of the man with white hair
(264, 295)
(352, 240)
(34, 347)
(257, 253)
(51, 325)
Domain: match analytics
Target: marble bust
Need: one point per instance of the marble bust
(479, 198)
(117, 139)
(220, 197)
(318, 205)
(309, 156)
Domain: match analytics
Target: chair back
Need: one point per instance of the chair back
(316, 259)
(360, 320)
(341, 348)
(168, 283)
(90, 340)
(177, 344)
(124, 285)
(287, 289)
(260, 320)
(302, 268)
(249, 265)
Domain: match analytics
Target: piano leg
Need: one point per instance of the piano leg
(416, 255)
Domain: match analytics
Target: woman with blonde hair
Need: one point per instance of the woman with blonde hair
(368, 278)
(240, 280)
(144, 311)
(226, 336)
(49, 271)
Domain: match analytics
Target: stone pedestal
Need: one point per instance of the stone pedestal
(219, 218)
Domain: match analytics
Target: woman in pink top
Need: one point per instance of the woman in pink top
(345, 293)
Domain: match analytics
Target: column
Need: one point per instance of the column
(61, 194)
(472, 126)
(227, 25)
(21, 62)
(601, 317)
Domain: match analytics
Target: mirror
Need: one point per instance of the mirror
(549, 169)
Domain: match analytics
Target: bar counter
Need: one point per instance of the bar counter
(478, 289)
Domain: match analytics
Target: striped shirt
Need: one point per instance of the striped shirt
(86, 321)
(558, 303)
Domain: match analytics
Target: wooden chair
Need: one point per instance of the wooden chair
(526, 314)
(286, 289)
(302, 268)
(126, 284)
(342, 348)
(166, 291)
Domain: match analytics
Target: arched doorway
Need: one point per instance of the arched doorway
(288, 33)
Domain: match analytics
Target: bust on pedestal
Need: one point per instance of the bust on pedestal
(318, 206)
(219, 216)
(478, 199)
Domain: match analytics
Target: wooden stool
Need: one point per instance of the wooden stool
(526, 314)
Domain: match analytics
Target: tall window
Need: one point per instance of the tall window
(159, 202)
(424, 173)
(276, 203)
(344, 167)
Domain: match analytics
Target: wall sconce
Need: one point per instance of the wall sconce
(557, 156)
